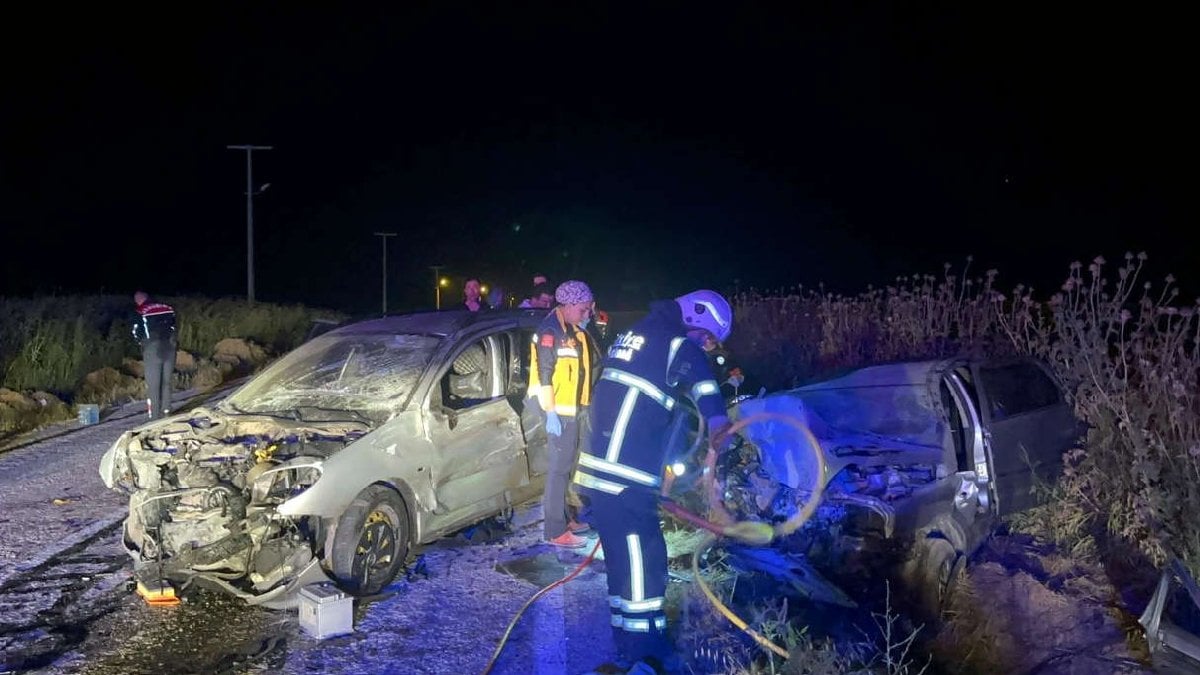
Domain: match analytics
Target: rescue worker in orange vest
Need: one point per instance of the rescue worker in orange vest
(561, 380)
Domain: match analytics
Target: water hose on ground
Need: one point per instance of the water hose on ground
(720, 606)
(512, 624)
(750, 532)
(754, 533)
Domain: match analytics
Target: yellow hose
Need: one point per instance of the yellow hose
(754, 533)
(750, 532)
(720, 606)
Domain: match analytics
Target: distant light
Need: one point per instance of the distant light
(678, 468)
(483, 289)
(444, 281)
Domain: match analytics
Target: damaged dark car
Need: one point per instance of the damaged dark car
(337, 459)
(921, 459)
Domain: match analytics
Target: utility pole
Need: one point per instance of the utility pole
(383, 238)
(249, 214)
(437, 285)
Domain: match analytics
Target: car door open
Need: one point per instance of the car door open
(1029, 426)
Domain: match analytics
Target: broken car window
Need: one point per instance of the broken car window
(369, 373)
(891, 411)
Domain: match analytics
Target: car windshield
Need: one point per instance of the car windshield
(900, 412)
(364, 376)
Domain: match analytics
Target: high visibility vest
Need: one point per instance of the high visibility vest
(571, 380)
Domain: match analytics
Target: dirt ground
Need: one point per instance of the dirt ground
(1024, 608)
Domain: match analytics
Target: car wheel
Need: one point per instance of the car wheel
(370, 541)
(941, 569)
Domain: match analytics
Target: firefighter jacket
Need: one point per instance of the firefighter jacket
(155, 321)
(645, 373)
(560, 370)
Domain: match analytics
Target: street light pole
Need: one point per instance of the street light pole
(383, 237)
(437, 285)
(249, 214)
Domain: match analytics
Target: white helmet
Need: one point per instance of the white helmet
(707, 310)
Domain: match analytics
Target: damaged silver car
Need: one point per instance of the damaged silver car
(921, 458)
(337, 459)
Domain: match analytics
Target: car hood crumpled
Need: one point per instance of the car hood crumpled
(878, 415)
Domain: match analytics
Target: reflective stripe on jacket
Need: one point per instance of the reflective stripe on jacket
(560, 355)
(647, 370)
(155, 321)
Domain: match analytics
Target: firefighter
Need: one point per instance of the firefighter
(646, 370)
(561, 380)
(154, 331)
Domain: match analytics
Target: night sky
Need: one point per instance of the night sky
(647, 152)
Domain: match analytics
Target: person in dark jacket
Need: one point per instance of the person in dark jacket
(540, 297)
(645, 373)
(154, 330)
(472, 296)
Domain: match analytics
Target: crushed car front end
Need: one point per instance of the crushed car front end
(204, 492)
(886, 475)
(208, 489)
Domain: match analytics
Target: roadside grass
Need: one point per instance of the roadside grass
(75, 347)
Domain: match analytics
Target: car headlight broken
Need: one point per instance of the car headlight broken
(280, 483)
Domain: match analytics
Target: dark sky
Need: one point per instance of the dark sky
(648, 152)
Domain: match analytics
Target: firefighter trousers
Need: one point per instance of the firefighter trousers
(635, 556)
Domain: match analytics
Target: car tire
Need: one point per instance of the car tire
(370, 541)
(941, 568)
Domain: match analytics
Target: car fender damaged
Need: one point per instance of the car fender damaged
(374, 463)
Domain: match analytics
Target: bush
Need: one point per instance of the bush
(74, 345)
(51, 343)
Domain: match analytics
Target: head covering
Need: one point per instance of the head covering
(571, 292)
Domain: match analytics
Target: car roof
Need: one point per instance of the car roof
(898, 373)
(441, 323)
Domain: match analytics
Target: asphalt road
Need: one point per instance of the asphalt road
(66, 605)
